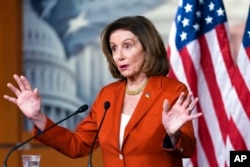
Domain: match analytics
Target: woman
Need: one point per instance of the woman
(148, 122)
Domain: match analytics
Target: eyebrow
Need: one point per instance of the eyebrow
(127, 39)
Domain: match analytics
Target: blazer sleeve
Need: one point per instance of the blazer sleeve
(72, 144)
(186, 142)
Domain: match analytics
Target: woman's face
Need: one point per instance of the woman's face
(128, 53)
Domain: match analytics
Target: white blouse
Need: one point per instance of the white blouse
(124, 121)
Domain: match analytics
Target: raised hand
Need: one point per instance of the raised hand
(27, 99)
(179, 114)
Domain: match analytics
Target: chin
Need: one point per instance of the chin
(127, 75)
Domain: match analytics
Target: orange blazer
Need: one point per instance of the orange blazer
(145, 143)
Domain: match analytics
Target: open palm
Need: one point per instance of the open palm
(179, 114)
(26, 99)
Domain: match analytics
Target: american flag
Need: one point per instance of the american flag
(199, 54)
(240, 105)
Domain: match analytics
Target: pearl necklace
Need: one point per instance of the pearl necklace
(138, 90)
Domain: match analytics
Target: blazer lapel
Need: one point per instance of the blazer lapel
(118, 104)
(150, 94)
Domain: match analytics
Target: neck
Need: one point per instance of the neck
(137, 90)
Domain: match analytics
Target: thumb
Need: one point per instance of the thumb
(165, 105)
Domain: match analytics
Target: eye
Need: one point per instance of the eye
(127, 45)
(113, 48)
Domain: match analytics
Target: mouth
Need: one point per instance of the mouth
(123, 67)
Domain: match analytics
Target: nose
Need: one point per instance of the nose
(120, 55)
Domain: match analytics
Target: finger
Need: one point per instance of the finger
(36, 92)
(13, 89)
(26, 83)
(181, 98)
(187, 100)
(165, 105)
(194, 116)
(11, 99)
(19, 82)
(193, 104)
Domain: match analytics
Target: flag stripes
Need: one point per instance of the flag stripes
(240, 108)
(200, 56)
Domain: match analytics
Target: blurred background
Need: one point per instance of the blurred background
(56, 45)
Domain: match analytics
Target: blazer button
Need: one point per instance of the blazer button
(120, 156)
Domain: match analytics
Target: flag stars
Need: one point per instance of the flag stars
(185, 22)
(211, 6)
(201, 1)
(178, 18)
(183, 36)
(196, 27)
(220, 12)
(209, 20)
(180, 3)
(248, 32)
(188, 8)
(198, 14)
(192, 21)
